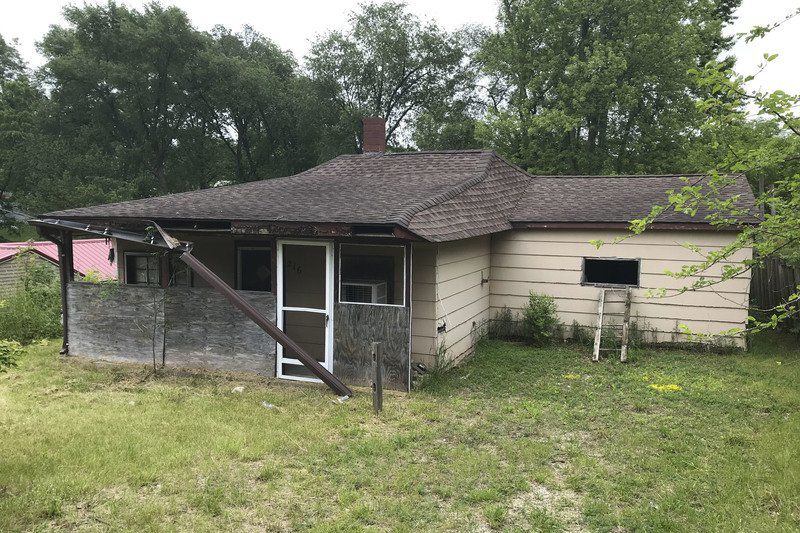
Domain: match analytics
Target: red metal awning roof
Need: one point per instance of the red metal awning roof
(89, 254)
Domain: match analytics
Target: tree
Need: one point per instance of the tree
(389, 64)
(257, 106)
(755, 132)
(119, 78)
(19, 100)
(141, 103)
(450, 126)
(601, 86)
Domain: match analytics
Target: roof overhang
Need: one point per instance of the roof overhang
(130, 228)
(625, 226)
(149, 232)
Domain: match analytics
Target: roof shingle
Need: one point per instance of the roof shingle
(439, 196)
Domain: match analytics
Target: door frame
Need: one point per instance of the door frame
(328, 311)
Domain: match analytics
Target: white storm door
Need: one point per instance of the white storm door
(305, 305)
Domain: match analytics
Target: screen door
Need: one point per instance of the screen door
(305, 305)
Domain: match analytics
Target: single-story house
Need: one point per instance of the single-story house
(91, 256)
(415, 250)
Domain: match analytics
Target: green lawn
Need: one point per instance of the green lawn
(516, 439)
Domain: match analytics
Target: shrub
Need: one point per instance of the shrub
(540, 319)
(9, 353)
(583, 335)
(504, 326)
(34, 310)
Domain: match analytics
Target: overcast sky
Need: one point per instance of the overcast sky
(294, 23)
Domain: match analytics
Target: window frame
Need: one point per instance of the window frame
(586, 283)
(173, 262)
(238, 264)
(153, 255)
(380, 245)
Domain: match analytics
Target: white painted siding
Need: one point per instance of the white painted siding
(462, 300)
(550, 261)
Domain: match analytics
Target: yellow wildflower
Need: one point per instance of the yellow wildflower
(669, 387)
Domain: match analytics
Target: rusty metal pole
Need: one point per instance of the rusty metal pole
(377, 380)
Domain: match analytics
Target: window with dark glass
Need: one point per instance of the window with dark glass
(180, 275)
(611, 271)
(254, 268)
(142, 269)
(372, 274)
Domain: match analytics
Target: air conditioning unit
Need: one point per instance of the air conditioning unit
(364, 292)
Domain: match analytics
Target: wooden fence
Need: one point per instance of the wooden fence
(772, 283)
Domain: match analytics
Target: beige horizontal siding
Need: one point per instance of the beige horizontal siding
(13, 270)
(550, 262)
(217, 252)
(10, 277)
(423, 303)
(462, 300)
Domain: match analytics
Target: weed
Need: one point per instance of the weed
(508, 440)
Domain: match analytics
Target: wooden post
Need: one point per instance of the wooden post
(598, 333)
(377, 372)
(66, 275)
(626, 319)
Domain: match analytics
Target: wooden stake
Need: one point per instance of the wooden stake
(626, 319)
(598, 333)
(377, 372)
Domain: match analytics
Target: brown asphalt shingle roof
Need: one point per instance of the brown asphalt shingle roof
(439, 196)
(615, 198)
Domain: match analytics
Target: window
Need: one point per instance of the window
(180, 275)
(611, 271)
(142, 269)
(372, 274)
(254, 268)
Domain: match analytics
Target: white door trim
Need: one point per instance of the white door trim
(328, 311)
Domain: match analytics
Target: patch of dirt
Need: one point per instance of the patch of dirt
(561, 503)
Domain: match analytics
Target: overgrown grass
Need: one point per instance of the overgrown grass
(33, 311)
(517, 438)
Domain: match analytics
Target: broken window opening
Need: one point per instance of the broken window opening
(611, 271)
(254, 268)
(142, 268)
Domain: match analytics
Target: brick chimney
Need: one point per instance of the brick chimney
(374, 134)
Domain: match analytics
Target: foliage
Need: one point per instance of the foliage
(450, 126)
(18, 101)
(598, 87)
(33, 311)
(132, 103)
(510, 425)
(581, 334)
(767, 147)
(10, 352)
(93, 276)
(255, 104)
(540, 322)
(390, 64)
(504, 326)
